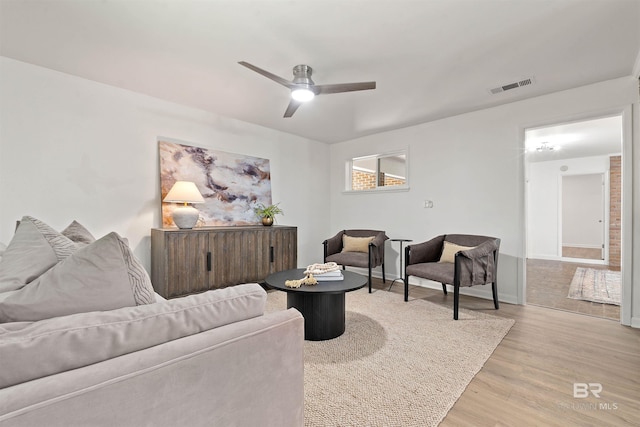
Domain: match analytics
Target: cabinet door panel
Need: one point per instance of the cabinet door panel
(187, 270)
(257, 245)
(285, 250)
(238, 256)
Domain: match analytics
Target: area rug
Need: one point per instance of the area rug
(397, 364)
(601, 286)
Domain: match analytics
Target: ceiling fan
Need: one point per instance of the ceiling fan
(303, 89)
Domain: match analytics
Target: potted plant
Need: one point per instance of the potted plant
(268, 213)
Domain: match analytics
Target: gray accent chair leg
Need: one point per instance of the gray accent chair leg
(456, 296)
(484, 253)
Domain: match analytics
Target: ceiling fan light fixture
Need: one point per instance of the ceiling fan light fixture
(302, 94)
(545, 146)
(303, 89)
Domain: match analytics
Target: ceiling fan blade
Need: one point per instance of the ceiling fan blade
(344, 87)
(277, 79)
(293, 106)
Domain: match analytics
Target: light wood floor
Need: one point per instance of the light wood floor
(548, 286)
(585, 253)
(529, 379)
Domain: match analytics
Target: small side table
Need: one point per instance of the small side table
(402, 241)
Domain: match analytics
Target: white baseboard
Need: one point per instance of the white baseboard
(545, 257)
(483, 292)
(567, 259)
(581, 245)
(635, 322)
(585, 261)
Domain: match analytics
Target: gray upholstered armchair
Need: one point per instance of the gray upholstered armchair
(454, 259)
(348, 251)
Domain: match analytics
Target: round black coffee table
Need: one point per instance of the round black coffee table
(321, 305)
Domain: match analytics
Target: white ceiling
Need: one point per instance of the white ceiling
(597, 137)
(430, 58)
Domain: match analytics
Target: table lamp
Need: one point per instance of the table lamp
(184, 216)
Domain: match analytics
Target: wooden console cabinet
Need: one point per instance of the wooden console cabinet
(189, 261)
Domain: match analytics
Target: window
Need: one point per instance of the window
(378, 172)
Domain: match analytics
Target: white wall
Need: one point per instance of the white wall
(448, 165)
(472, 167)
(75, 149)
(544, 201)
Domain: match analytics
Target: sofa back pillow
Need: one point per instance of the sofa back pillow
(101, 276)
(78, 234)
(356, 244)
(34, 249)
(38, 349)
(449, 251)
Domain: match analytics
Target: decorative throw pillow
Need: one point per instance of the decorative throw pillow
(101, 276)
(449, 251)
(78, 234)
(34, 249)
(356, 244)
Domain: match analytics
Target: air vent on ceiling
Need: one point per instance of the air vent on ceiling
(514, 85)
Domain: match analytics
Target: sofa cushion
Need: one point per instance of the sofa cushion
(438, 272)
(78, 234)
(101, 276)
(449, 251)
(356, 244)
(47, 347)
(354, 259)
(34, 249)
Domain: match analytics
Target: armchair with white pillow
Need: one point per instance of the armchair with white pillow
(357, 248)
(454, 259)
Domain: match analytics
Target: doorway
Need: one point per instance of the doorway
(583, 217)
(570, 199)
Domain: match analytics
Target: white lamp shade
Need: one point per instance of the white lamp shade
(184, 192)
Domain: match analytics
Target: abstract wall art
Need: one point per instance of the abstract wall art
(231, 184)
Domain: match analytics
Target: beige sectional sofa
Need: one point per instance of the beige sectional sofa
(212, 359)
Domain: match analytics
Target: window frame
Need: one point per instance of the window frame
(392, 188)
